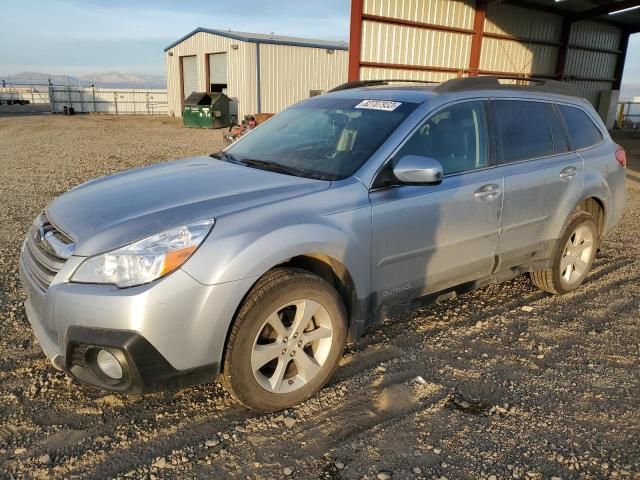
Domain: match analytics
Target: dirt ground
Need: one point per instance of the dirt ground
(558, 377)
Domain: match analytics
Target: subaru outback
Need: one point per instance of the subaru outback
(258, 263)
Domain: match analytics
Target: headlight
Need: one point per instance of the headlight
(145, 260)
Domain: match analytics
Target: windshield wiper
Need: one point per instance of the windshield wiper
(226, 157)
(274, 167)
(261, 164)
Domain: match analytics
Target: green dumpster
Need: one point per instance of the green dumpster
(206, 110)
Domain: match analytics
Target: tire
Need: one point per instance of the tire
(572, 257)
(271, 325)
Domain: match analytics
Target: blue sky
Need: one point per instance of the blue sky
(86, 36)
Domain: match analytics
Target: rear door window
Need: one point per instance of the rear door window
(560, 144)
(524, 129)
(582, 129)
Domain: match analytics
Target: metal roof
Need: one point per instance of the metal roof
(267, 38)
(598, 10)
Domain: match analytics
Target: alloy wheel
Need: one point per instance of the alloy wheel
(292, 345)
(577, 255)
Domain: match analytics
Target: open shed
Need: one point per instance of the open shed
(581, 41)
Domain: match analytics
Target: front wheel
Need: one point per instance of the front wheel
(573, 256)
(286, 340)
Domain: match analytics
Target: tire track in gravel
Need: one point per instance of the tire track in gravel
(334, 425)
(170, 435)
(121, 459)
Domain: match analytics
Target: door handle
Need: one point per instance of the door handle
(568, 172)
(487, 192)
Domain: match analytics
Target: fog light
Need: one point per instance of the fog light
(109, 364)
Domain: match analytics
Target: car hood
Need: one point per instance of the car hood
(112, 211)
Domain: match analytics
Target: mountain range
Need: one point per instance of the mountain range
(138, 80)
(103, 79)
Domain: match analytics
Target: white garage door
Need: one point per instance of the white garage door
(189, 75)
(218, 68)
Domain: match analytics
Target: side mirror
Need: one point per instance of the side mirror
(414, 169)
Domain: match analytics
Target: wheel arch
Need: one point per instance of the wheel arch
(336, 274)
(595, 206)
(326, 267)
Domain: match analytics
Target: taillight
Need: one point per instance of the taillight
(621, 156)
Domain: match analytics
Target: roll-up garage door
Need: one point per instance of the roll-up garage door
(218, 68)
(189, 75)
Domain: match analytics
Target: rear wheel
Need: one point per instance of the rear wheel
(572, 258)
(286, 340)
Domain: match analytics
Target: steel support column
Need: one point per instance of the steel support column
(563, 50)
(622, 57)
(355, 39)
(476, 40)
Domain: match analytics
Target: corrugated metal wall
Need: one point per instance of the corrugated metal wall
(385, 43)
(241, 70)
(372, 73)
(502, 55)
(597, 65)
(388, 44)
(288, 73)
(522, 22)
(431, 40)
(458, 13)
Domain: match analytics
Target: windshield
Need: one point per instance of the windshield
(325, 138)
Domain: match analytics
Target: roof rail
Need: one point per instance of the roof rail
(372, 83)
(534, 84)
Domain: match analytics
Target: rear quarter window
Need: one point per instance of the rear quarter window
(524, 129)
(560, 144)
(583, 131)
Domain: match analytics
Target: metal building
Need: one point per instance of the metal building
(262, 73)
(581, 41)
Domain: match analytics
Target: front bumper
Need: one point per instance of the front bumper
(144, 368)
(171, 332)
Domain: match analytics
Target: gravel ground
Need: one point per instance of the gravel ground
(557, 378)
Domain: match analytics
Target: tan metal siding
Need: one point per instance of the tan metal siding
(403, 45)
(521, 22)
(591, 90)
(499, 55)
(597, 35)
(457, 14)
(241, 70)
(372, 73)
(288, 73)
(597, 65)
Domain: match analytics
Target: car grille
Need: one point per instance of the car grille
(42, 256)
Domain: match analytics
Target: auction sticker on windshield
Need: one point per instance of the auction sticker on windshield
(386, 105)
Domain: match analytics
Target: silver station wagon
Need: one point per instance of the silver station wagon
(258, 263)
